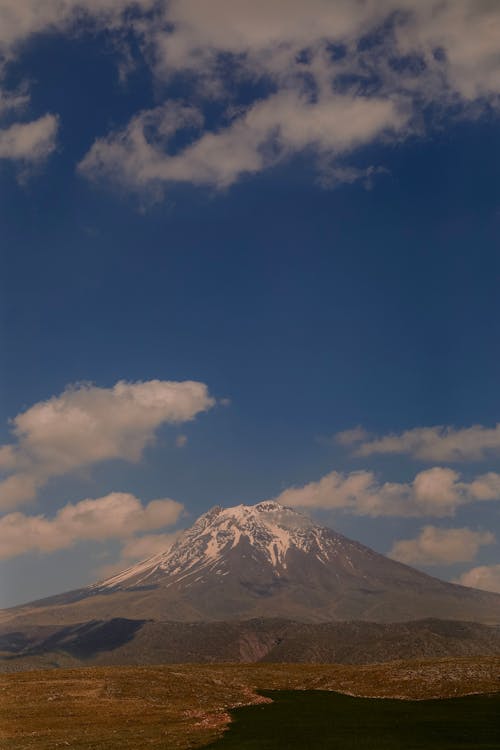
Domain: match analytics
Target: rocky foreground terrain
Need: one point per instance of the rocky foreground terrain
(180, 707)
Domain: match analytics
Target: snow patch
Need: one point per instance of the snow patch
(271, 530)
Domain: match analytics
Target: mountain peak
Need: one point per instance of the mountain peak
(270, 529)
(267, 512)
(268, 560)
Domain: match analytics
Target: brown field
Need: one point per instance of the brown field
(179, 707)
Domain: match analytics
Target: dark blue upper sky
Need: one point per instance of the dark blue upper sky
(312, 309)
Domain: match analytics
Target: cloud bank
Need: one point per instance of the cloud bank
(328, 76)
(436, 492)
(137, 549)
(118, 515)
(86, 425)
(332, 75)
(435, 546)
(485, 577)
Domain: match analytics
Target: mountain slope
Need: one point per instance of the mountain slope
(266, 561)
(133, 642)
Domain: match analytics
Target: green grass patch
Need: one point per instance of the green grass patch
(323, 720)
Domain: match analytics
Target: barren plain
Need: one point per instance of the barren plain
(177, 707)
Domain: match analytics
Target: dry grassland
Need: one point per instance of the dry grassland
(177, 707)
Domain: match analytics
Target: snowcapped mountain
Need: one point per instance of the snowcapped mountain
(271, 530)
(266, 561)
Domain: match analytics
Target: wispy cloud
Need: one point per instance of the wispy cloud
(29, 142)
(438, 443)
(86, 425)
(437, 492)
(339, 75)
(435, 546)
(118, 515)
(271, 130)
(13, 100)
(351, 437)
(137, 549)
(418, 44)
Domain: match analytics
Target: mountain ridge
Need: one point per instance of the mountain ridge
(130, 642)
(269, 561)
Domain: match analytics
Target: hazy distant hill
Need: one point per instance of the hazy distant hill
(124, 641)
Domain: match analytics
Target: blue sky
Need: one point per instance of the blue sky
(298, 212)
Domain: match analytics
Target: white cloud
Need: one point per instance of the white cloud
(145, 546)
(33, 141)
(456, 40)
(322, 100)
(485, 577)
(201, 31)
(20, 19)
(137, 549)
(437, 443)
(436, 492)
(29, 141)
(467, 32)
(118, 515)
(86, 425)
(435, 546)
(269, 131)
(329, 92)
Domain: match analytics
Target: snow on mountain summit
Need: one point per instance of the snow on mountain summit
(269, 561)
(269, 528)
